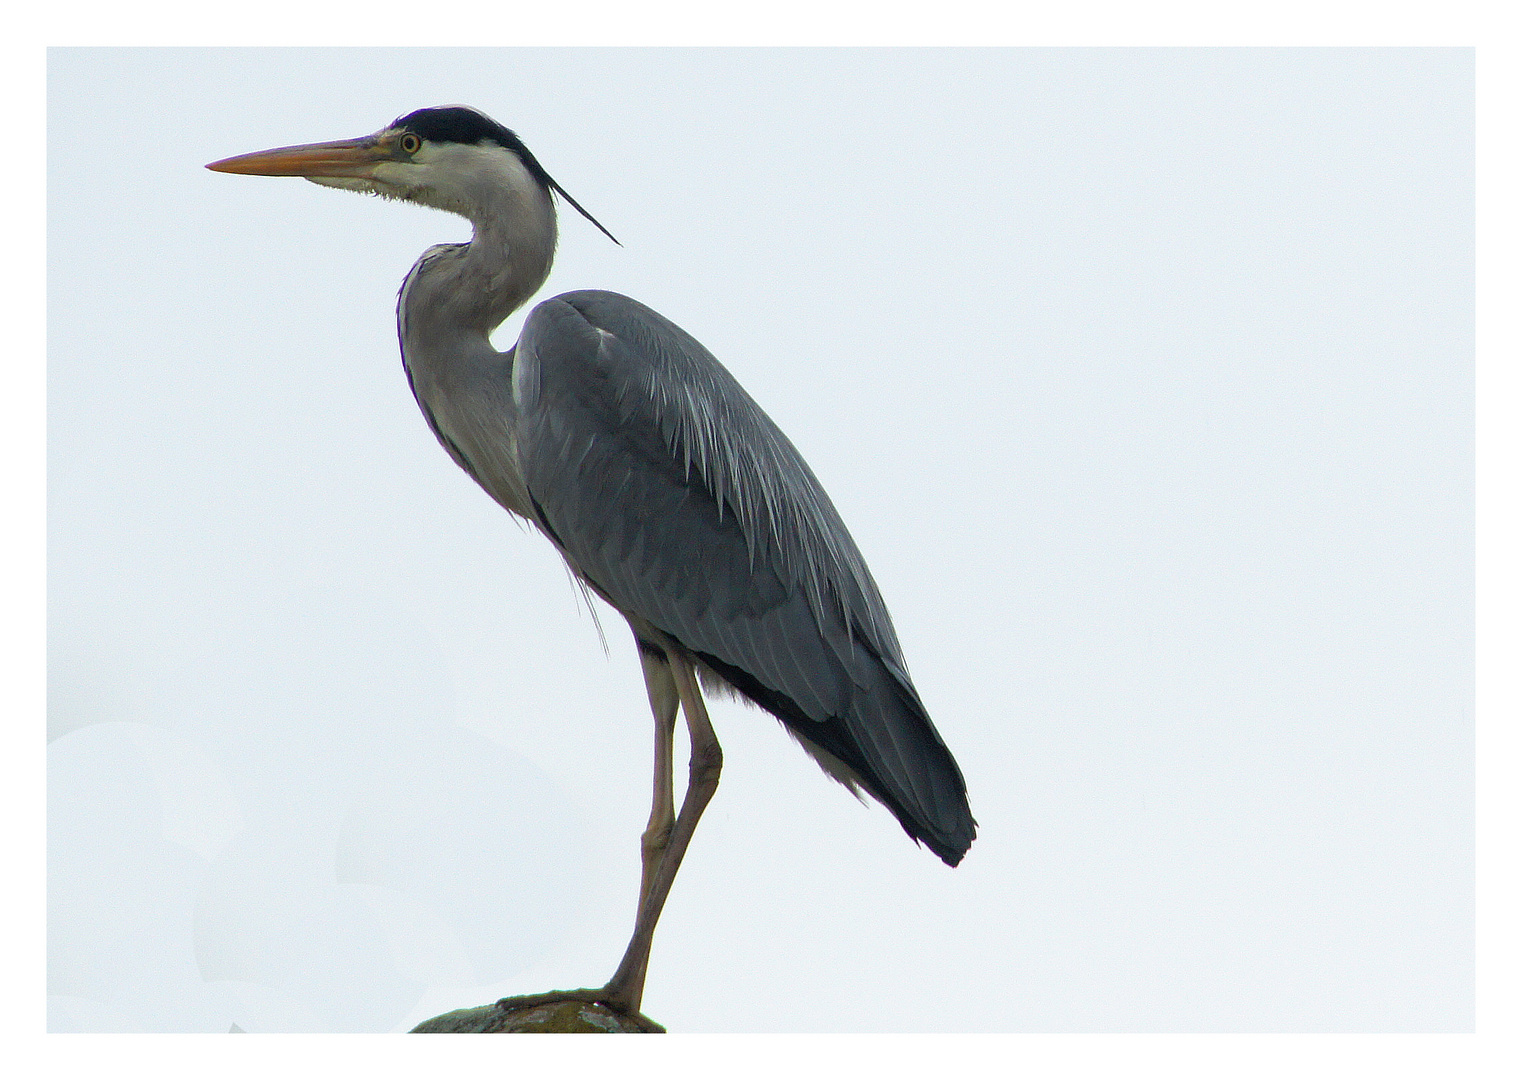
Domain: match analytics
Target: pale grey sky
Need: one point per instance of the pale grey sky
(1142, 378)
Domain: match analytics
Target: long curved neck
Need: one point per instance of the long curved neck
(455, 295)
(469, 289)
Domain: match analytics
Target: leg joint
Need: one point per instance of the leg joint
(654, 839)
(706, 764)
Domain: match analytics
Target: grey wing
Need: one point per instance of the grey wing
(674, 496)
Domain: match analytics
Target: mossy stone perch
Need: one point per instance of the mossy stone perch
(547, 1018)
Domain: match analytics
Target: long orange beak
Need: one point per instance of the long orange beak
(347, 157)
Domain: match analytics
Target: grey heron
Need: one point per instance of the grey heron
(666, 489)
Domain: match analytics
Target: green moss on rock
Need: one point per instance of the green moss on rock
(549, 1018)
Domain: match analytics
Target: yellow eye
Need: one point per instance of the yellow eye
(410, 143)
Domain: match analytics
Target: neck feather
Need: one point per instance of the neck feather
(473, 287)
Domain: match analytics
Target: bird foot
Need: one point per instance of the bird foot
(599, 996)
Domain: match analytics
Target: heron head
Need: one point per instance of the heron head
(453, 158)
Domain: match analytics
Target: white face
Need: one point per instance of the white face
(456, 177)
